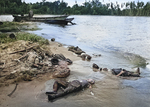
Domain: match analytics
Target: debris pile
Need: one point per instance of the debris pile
(26, 61)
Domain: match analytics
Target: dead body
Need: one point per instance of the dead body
(125, 73)
(68, 87)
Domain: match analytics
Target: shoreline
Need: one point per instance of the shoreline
(33, 92)
(29, 86)
(108, 91)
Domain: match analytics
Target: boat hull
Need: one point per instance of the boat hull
(64, 22)
(38, 19)
(41, 19)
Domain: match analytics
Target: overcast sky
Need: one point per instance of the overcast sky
(80, 2)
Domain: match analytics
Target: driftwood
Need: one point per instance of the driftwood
(13, 90)
(23, 50)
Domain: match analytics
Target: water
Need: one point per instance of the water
(123, 42)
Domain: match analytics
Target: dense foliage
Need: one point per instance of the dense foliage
(94, 7)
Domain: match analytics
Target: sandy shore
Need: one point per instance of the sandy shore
(107, 91)
(26, 91)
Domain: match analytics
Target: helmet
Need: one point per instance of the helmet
(91, 81)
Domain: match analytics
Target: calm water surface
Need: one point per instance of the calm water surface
(123, 42)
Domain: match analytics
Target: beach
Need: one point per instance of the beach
(32, 93)
(29, 89)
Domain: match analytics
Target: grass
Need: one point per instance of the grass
(9, 26)
(6, 24)
(16, 26)
(4, 38)
(9, 29)
(32, 37)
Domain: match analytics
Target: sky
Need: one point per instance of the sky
(80, 2)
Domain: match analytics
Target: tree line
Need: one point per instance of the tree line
(94, 7)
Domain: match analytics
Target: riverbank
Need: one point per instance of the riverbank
(109, 91)
(29, 89)
(32, 93)
(21, 60)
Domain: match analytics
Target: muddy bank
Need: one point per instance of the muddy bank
(24, 62)
(31, 89)
(18, 56)
(26, 59)
(108, 89)
(107, 92)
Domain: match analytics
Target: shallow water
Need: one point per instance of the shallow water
(122, 41)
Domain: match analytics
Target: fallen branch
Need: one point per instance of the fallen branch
(13, 90)
(23, 50)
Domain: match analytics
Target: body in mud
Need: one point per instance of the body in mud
(68, 87)
(125, 73)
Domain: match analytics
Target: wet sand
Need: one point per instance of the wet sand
(26, 92)
(108, 91)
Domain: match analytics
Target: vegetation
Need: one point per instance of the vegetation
(4, 38)
(16, 26)
(32, 37)
(9, 26)
(94, 7)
